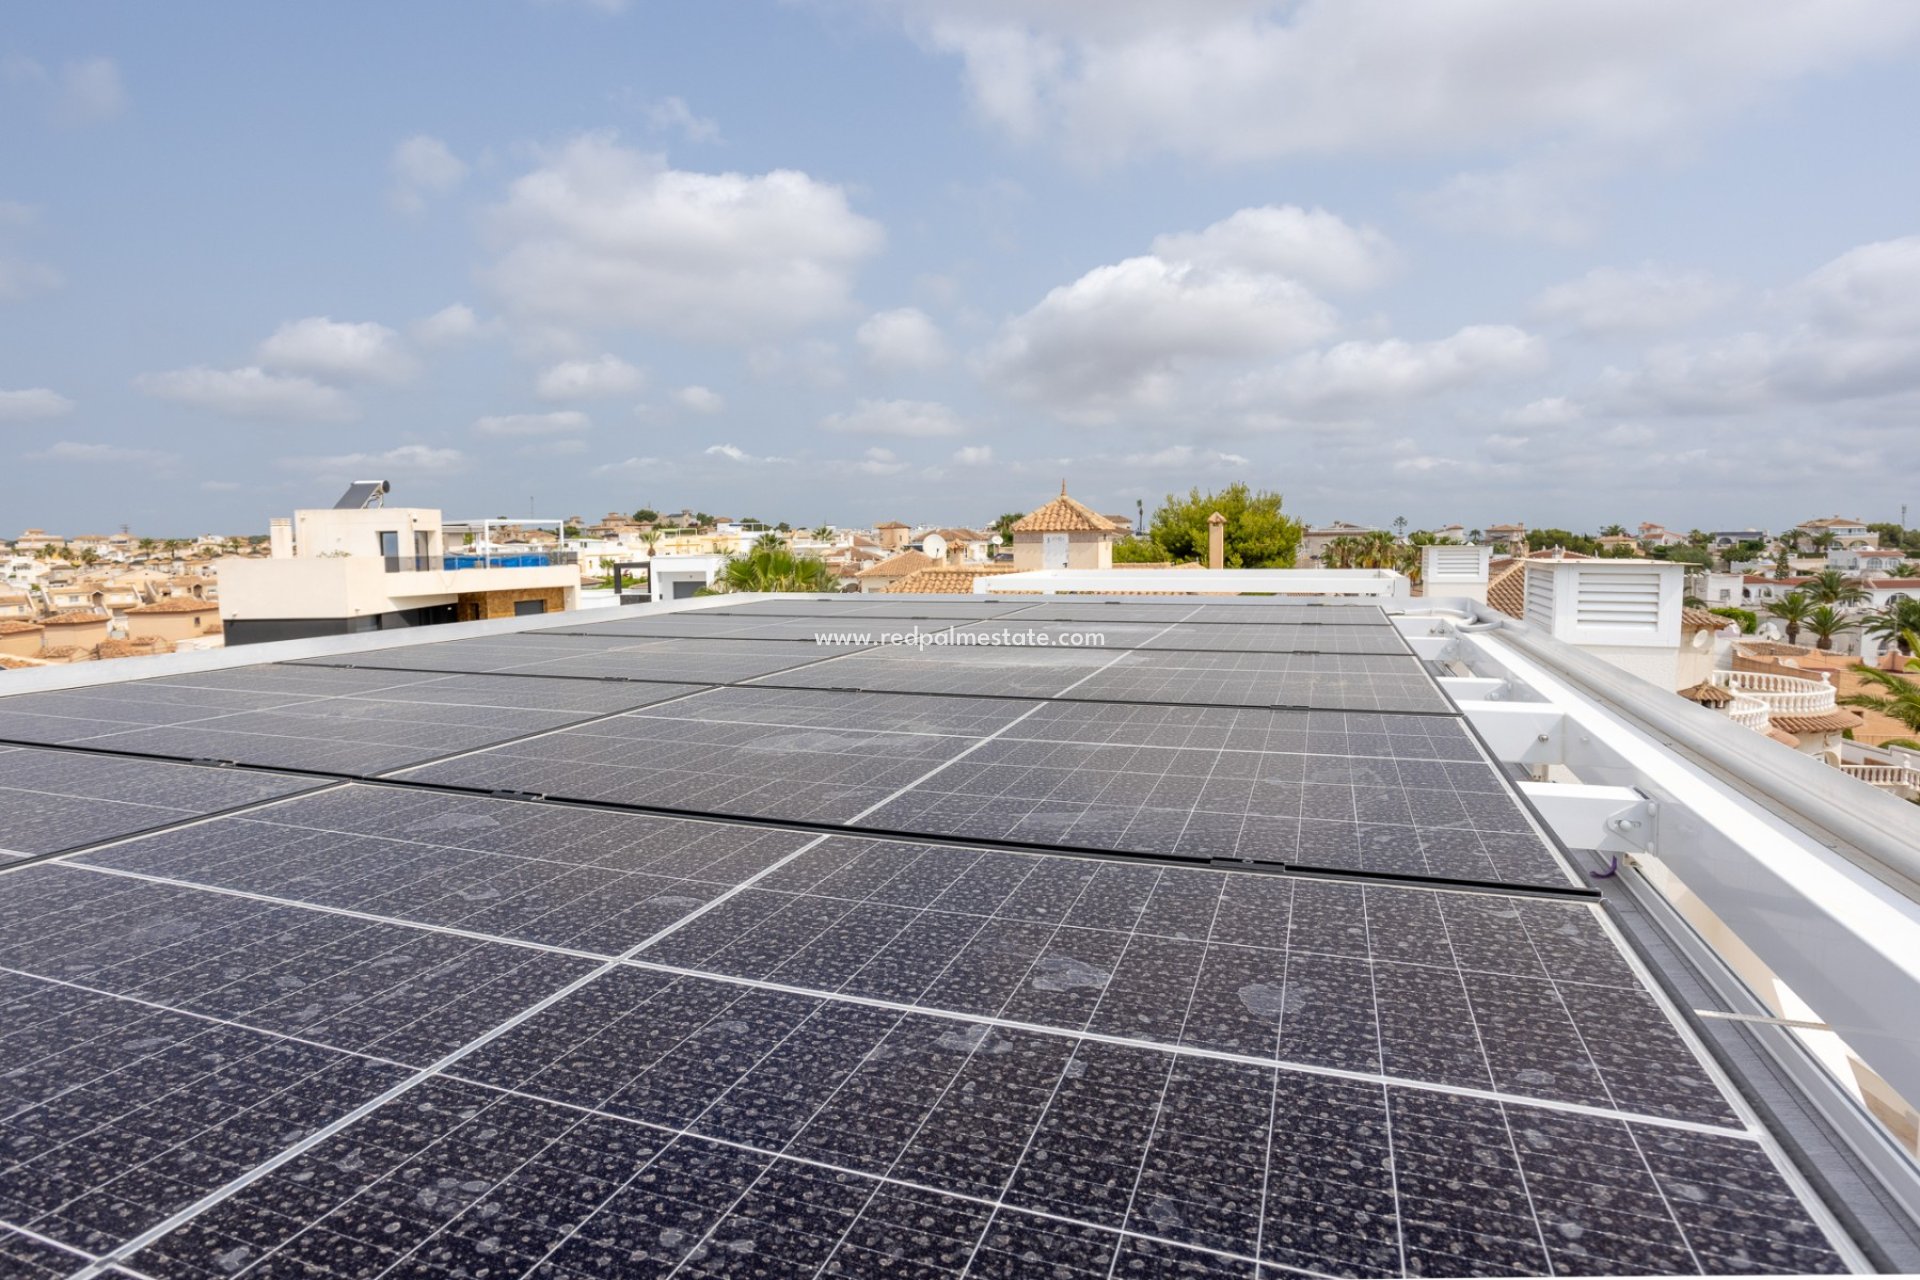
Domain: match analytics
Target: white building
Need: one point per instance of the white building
(363, 566)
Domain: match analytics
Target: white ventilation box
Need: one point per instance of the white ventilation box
(1625, 610)
(1459, 571)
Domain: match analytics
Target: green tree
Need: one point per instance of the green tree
(1749, 620)
(1614, 531)
(822, 532)
(1826, 622)
(646, 515)
(1541, 539)
(1822, 542)
(1132, 550)
(1004, 525)
(1830, 586)
(1258, 536)
(1898, 696)
(1791, 610)
(1896, 624)
(774, 568)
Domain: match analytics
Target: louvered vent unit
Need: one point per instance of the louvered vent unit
(1540, 596)
(1464, 563)
(1617, 601)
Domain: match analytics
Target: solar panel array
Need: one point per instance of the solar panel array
(677, 944)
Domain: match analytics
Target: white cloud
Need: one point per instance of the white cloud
(698, 399)
(813, 362)
(597, 379)
(880, 462)
(1852, 334)
(251, 393)
(673, 115)
(20, 279)
(337, 350)
(1368, 373)
(559, 423)
(1549, 411)
(1116, 338)
(423, 167)
(974, 455)
(603, 235)
(902, 340)
(1241, 80)
(731, 452)
(447, 326)
(415, 458)
(634, 466)
(100, 454)
(1616, 300)
(1548, 199)
(910, 418)
(1875, 287)
(33, 404)
(85, 92)
(1310, 245)
(1184, 457)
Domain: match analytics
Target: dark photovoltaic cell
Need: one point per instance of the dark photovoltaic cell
(867, 607)
(53, 800)
(564, 877)
(1065, 610)
(115, 1115)
(724, 1048)
(1525, 997)
(356, 722)
(401, 993)
(605, 657)
(1279, 637)
(1440, 812)
(813, 770)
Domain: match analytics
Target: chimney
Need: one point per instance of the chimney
(1216, 541)
(280, 537)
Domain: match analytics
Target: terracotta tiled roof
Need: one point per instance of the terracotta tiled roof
(1063, 515)
(138, 647)
(175, 604)
(53, 651)
(1507, 589)
(1826, 722)
(14, 627)
(944, 581)
(1707, 694)
(72, 617)
(10, 663)
(891, 524)
(898, 565)
(1701, 620)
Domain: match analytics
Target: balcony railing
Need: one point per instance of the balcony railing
(1750, 712)
(479, 560)
(1783, 695)
(1894, 777)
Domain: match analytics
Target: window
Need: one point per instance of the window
(389, 542)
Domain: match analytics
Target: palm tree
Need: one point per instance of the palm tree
(1830, 586)
(769, 542)
(1900, 697)
(1826, 622)
(1342, 552)
(775, 569)
(1614, 531)
(1896, 624)
(1822, 541)
(1792, 610)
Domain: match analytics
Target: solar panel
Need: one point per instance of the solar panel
(411, 1028)
(576, 878)
(830, 769)
(604, 658)
(1185, 610)
(53, 800)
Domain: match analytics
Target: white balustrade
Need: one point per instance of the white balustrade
(1783, 695)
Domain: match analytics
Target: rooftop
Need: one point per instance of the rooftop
(1064, 515)
(1205, 933)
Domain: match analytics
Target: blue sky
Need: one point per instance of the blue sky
(845, 260)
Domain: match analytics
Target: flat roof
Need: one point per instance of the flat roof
(835, 936)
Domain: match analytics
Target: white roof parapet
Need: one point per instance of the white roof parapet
(1317, 582)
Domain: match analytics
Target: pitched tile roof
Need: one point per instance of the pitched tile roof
(945, 581)
(898, 565)
(175, 604)
(1707, 694)
(1507, 589)
(1063, 515)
